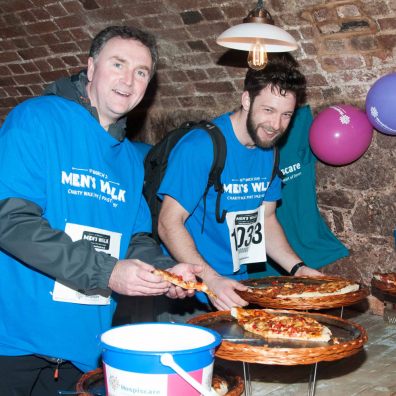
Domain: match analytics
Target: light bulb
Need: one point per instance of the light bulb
(257, 58)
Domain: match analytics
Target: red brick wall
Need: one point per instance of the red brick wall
(344, 47)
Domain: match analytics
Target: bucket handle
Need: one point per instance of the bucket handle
(167, 360)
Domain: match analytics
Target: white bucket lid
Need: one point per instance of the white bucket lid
(160, 337)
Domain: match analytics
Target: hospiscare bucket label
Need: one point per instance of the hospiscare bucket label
(132, 358)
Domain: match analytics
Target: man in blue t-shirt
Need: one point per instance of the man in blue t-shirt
(251, 229)
(74, 226)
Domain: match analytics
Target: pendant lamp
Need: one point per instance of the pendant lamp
(258, 35)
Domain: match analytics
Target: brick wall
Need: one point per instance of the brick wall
(344, 47)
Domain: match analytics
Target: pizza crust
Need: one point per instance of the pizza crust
(315, 294)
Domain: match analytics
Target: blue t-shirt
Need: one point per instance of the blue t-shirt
(142, 148)
(55, 154)
(245, 179)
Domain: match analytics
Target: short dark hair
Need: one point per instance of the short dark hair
(281, 73)
(125, 32)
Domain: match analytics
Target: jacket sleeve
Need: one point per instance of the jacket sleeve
(28, 237)
(143, 247)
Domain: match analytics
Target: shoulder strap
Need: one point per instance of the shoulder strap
(219, 157)
(275, 169)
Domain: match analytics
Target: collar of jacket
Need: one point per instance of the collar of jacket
(74, 88)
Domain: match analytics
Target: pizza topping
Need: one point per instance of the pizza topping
(179, 281)
(269, 325)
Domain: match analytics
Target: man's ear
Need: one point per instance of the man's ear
(245, 101)
(91, 68)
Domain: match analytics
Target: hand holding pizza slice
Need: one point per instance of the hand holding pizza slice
(178, 280)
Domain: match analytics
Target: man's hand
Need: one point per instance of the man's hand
(307, 271)
(188, 273)
(135, 278)
(224, 288)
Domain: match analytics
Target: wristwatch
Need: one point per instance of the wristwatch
(296, 267)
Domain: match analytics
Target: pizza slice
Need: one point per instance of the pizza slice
(219, 385)
(388, 277)
(179, 281)
(292, 327)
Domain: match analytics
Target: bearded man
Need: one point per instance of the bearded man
(251, 230)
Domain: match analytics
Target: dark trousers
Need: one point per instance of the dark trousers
(30, 375)
(157, 309)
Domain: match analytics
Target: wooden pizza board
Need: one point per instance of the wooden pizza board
(237, 344)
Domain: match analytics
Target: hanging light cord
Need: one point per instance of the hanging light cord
(259, 14)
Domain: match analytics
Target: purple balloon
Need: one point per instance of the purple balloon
(381, 104)
(340, 134)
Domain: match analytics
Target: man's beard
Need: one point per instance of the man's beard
(253, 133)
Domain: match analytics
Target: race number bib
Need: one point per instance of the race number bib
(246, 231)
(103, 241)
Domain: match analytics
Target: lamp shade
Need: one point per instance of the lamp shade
(243, 36)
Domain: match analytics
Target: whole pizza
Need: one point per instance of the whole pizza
(303, 292)
(389, 278)
(297, 289)
(385, 281)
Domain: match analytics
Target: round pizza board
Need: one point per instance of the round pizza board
(348, 338)
(299, 303)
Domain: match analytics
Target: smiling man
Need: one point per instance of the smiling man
(118, 76)
(74, 225)
(251, 230)
(264, 126)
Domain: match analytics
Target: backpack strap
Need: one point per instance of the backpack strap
(155, 165)
(219, 157)
(275, 169)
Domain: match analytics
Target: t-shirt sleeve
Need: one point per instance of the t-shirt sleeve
(188, 169)
(22, 157)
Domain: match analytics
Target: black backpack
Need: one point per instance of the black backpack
(156, 162)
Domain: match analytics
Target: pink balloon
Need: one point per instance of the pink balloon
(340, 134)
